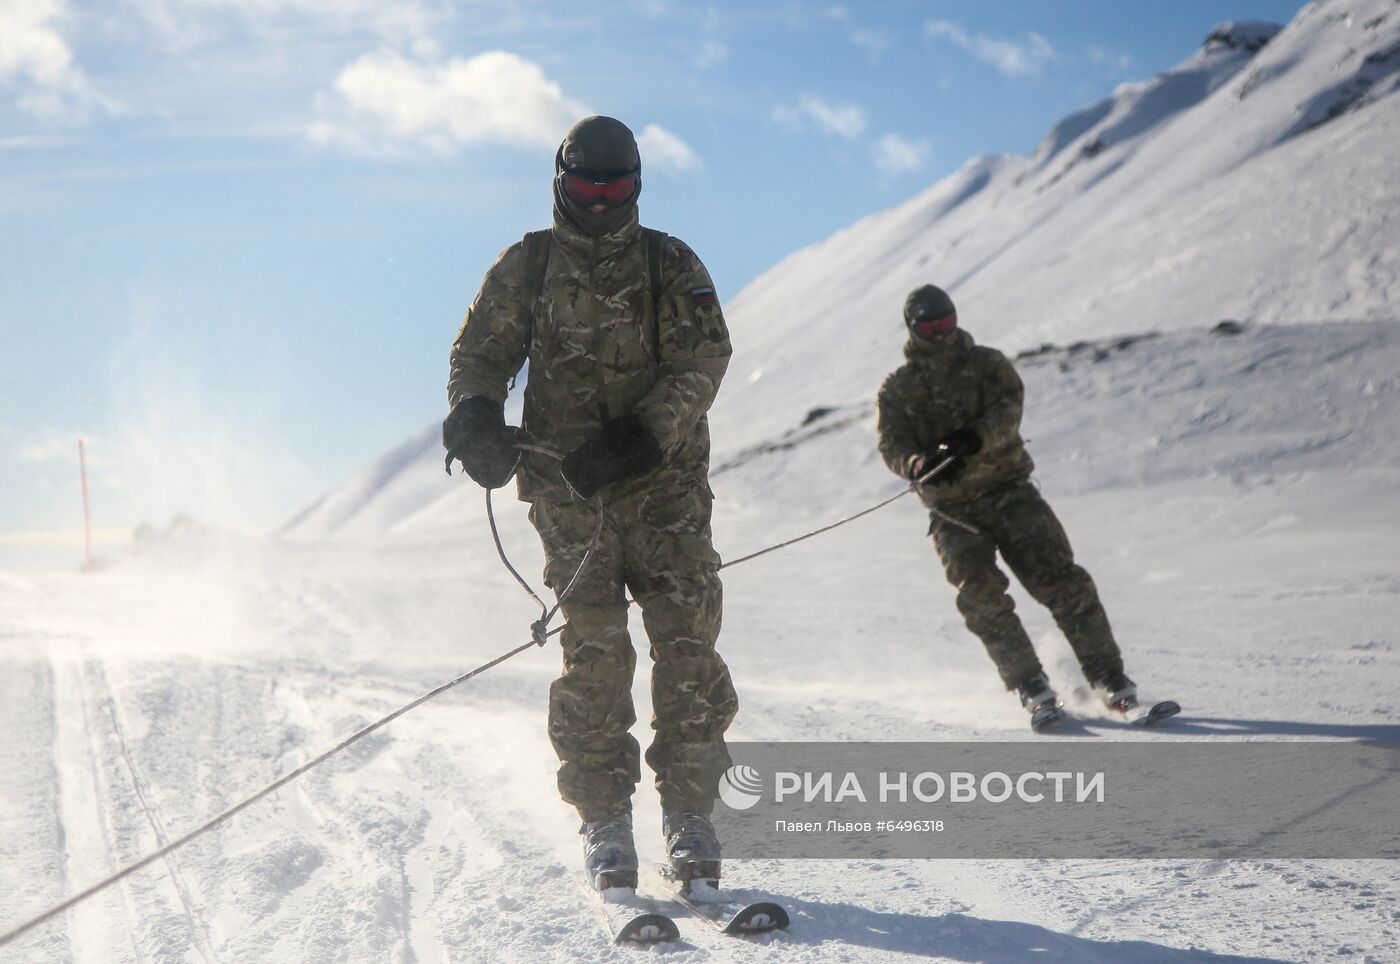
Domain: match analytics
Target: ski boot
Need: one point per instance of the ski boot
(609, 855)
(1117, 692)
(692, 849)
(1037, 697)
(1120, 695)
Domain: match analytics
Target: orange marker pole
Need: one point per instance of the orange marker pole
(87, 512)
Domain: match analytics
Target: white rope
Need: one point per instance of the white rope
(209, 825)
(538, 635)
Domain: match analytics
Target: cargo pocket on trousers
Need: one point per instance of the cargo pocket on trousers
(698, 547)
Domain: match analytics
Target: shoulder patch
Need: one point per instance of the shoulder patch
(704, 304)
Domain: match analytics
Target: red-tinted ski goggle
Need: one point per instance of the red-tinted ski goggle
(585, 190)
(932, 326)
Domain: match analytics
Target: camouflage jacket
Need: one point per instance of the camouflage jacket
(941, 388)
(597, 343)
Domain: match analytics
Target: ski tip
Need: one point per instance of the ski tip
(758, 918)
(648, 929)
(1158, 712)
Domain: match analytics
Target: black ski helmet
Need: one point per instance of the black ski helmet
(599, 147)
(929, 312)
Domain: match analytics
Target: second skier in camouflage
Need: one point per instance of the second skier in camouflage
(956, 399)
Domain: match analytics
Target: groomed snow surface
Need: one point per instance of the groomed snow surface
(1235, 491)
(1235, 497)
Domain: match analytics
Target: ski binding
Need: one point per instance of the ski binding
(702, 898)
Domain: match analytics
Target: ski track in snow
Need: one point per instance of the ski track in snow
(31, 826)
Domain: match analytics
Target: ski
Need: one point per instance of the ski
(1139, 715)
(634, 919)
(1047, 714)
(734, 917)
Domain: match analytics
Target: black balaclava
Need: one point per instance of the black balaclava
(929, 313)
(597, 146)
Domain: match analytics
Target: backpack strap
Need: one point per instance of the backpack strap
(655, 241)
(536, 248)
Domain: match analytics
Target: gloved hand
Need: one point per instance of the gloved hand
(476, 434)
(922, 464)
(624, 450)
(960, 444)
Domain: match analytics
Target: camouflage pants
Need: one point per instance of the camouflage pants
(656, 544)
(1018, 522)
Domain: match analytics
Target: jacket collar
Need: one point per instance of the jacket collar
(939, 355)
(595, 248)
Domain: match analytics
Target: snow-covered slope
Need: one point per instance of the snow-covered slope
(1251, 182)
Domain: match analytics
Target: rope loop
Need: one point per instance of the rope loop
(539, 629)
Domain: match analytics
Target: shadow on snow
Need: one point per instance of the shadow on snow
(1223, 726)
(962, 937)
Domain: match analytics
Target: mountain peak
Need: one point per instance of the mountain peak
(1136, 107)
(1248, 35)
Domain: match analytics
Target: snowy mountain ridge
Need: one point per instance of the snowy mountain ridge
(1249, 182)
(1136, 107)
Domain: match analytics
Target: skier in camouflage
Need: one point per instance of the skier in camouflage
(956, 399)
(627, 346)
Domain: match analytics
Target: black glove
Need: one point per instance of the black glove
(475, 433)
(624, 450)
(922, 464)
(960, 444)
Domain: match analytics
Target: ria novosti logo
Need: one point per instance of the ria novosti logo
(741, 787)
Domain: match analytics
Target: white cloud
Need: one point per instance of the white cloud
(35, 57)
(898, 155)
(843, 120)
(1012, 57)
(663, 151)
(388, 104)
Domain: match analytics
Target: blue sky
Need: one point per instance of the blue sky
(238, 235)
